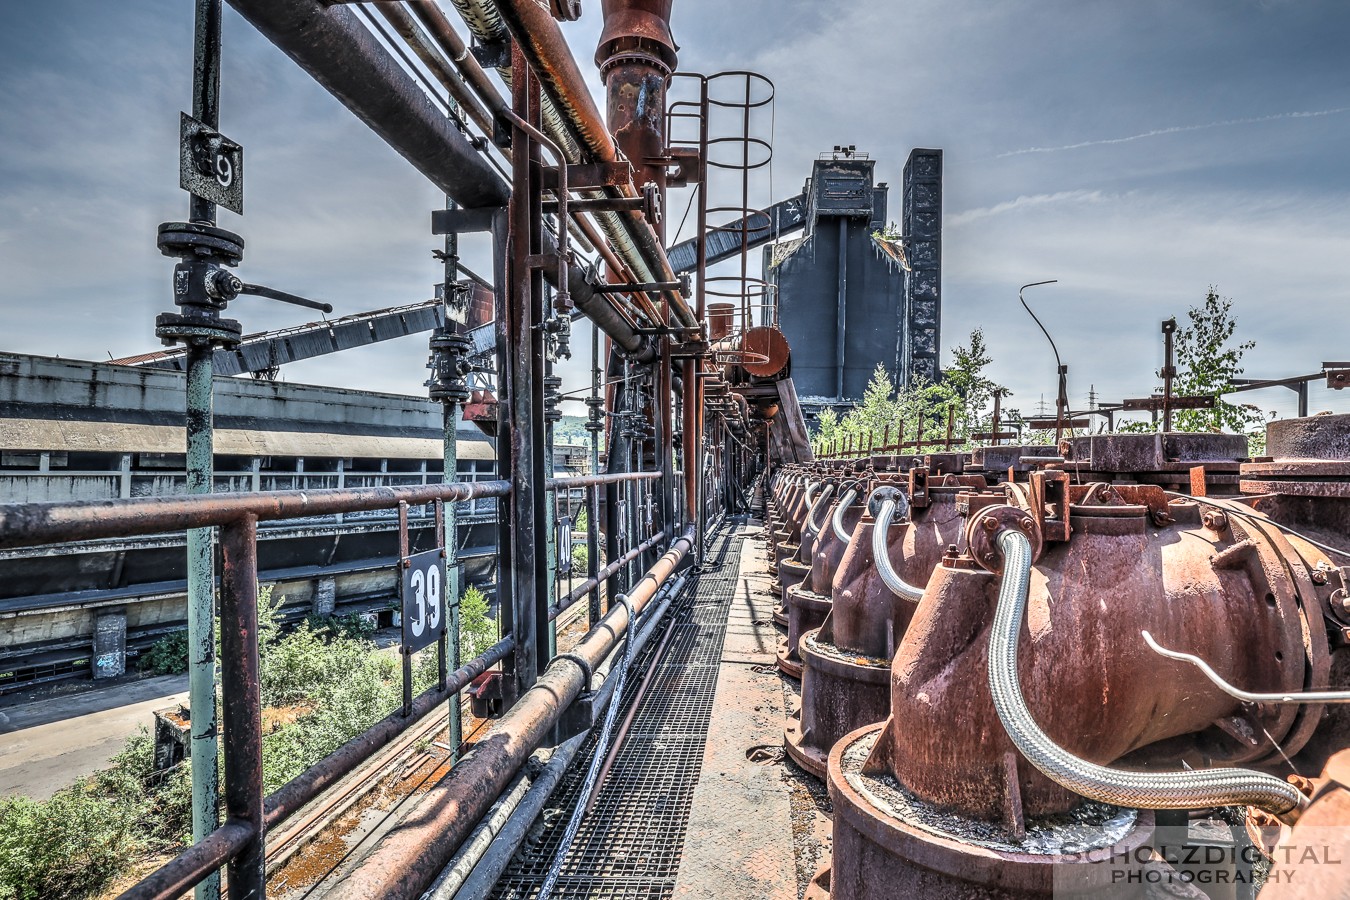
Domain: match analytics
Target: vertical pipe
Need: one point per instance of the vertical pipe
(550, 524)
(449, 534)
(200, 475)
(242, 703)
(503, 288)
(701, 310)
(201, 611)
(403, 553)
(450, 658)
(593, 492)
(1169, 372)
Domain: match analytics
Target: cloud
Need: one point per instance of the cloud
(1023, 202)
(1178, 129)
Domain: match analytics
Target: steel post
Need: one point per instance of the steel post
(201, 611)
(593, 493)
(526, 399)
(451, 657)
(200, 477)
(242, 703)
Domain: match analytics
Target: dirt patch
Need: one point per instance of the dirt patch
(276, 717)
(810, 806)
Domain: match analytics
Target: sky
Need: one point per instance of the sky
(1136, 151)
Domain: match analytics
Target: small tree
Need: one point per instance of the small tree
(827, 428)
(477, 632)
(966, 378)
(1206, 364)
(870, 418)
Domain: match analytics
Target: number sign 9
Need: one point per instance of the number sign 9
(423, 600)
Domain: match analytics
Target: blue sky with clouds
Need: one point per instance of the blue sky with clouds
(1137, 150)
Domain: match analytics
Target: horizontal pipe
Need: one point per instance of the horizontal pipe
(188, 868)
(27, 524)
(449, 76)
(590, 584)
(480, 882)
(341, 54)
(292, 796)
(334, 47)
(402, 864)
(592, 480)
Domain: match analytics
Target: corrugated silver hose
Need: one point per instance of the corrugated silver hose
(1143, 790)
(881, 556)
(837, 520)
(812, 529)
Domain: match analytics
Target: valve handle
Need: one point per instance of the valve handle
(273, 294)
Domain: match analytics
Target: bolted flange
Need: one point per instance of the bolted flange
(449, 364)
(983, 529)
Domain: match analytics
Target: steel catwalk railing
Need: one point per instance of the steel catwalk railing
(238, 840)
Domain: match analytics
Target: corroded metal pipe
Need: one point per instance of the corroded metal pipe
(408, 858)
(28, 524)
(546, 49)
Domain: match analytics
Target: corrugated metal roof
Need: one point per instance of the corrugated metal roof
(118, 437)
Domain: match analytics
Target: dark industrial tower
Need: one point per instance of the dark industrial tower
(845, 301)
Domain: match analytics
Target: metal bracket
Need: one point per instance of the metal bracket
(495, 55)
(918, 488)
(1338, 375)
(1050, 503)
(463, 221)
(588, 176)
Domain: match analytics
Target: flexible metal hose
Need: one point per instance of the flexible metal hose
(1144, 790)
(812, 529)
(882, 558)
(837, 520)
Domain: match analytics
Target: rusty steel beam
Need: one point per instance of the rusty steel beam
(241, 702)
(29, 524)
(405, 862)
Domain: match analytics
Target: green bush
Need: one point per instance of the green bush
(580, 556)
(75, 844)
(166, 656)
(70, 846)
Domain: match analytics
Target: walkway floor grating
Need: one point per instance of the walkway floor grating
(630, 844)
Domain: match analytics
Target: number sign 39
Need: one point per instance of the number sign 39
(423, 600)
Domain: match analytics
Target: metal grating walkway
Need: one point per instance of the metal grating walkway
(630, 844)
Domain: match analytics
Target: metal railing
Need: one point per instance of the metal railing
(238, 840)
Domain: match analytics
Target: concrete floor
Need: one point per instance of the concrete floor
(48, 744)
(740, 839)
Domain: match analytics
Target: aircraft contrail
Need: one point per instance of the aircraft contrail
(1177, 129)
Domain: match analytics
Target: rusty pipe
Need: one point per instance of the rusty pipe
(448, 75)
(343, 55)
(28, 524)
(544, 46)
(600, 577)
(402, 864)
(431, 17)
(191, 866)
